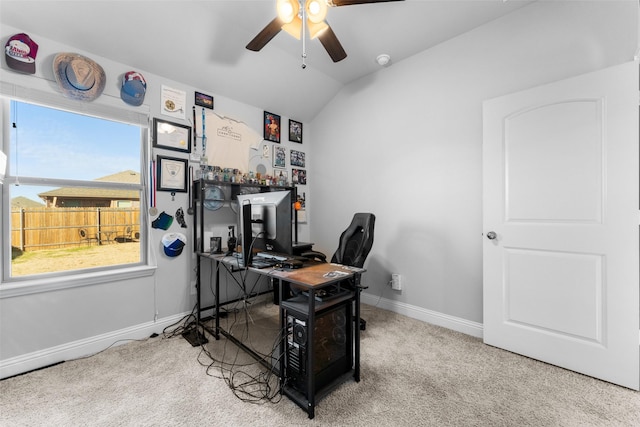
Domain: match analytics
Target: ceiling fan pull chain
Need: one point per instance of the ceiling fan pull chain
(304, 33)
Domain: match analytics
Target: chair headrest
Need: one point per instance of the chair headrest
(356, 241)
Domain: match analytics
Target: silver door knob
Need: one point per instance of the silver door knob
(491, 235)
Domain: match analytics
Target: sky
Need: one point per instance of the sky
(57, 144)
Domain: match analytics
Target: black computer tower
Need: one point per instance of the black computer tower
(332, 347)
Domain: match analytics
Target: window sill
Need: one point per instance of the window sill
(36, 286)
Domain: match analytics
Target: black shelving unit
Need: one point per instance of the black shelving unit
(198, 194)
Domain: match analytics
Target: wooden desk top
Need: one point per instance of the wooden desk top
(320, 274)
(314, 275)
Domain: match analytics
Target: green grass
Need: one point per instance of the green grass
(20, 257)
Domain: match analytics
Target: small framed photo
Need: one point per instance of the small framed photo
(171, 136)
(203, 100)
(271, 127)
(281, 176)
(279, 157)
(299, 176)
(297, 158)
(295, 131)
(171, 174)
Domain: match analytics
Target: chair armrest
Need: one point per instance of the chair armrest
(314, 255)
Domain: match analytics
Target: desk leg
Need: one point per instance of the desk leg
(311, 377)
(217, 299)
(356, 370)
(283, 338)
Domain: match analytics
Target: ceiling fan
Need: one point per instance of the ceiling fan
(296, 15)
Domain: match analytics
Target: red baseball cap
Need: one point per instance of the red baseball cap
(20, 53)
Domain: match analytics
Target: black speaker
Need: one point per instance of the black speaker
(331, 347)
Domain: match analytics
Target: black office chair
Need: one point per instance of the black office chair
(354, 245)
(356, 241)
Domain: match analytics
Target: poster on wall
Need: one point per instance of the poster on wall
(295, 131)
(297, 158)
(271, 127)
(299, 176)
(203, 100)
(172, 102)
(279, 157)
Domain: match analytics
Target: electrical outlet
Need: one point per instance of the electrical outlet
(396, 282)
(193, 288)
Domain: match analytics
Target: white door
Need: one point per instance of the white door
(561, 216)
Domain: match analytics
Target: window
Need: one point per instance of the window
(73, 194)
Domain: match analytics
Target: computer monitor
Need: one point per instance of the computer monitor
(271, 216)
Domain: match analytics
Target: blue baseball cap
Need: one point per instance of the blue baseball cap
(173, 243)
(133, 89)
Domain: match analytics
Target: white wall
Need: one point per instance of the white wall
(43, 328)
(406, 144)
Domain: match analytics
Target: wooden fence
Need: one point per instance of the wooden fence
(53, 228)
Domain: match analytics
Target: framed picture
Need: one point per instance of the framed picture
(271, 127)
(295, 131)
(279, 157)
(172, 102)
(203, 100)
(299, 176)
(297, 158)
(281, 176)
(171, 174)
(171, 136)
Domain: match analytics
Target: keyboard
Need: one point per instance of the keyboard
(284, 260)
(263, 263)
(272, 255)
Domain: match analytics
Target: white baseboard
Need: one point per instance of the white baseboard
(435, 318)
(82, 348)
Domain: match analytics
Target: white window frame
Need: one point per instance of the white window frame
(15, 286)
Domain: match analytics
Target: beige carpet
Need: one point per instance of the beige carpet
(413, 374)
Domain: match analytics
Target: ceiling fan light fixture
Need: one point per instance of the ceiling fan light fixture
(316, 29)
(316, 10)
(294, 27)
(287, 10)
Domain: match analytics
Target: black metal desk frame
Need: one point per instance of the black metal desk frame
(311, 279)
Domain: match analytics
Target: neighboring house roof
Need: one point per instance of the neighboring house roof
(128, 176)
(99, 193)
(93, 193)
(25, 202)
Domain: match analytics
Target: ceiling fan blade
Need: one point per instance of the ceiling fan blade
(332, 45)
(352, 2)
(265, 36)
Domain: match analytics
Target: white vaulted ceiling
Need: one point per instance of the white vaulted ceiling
(202, 43)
